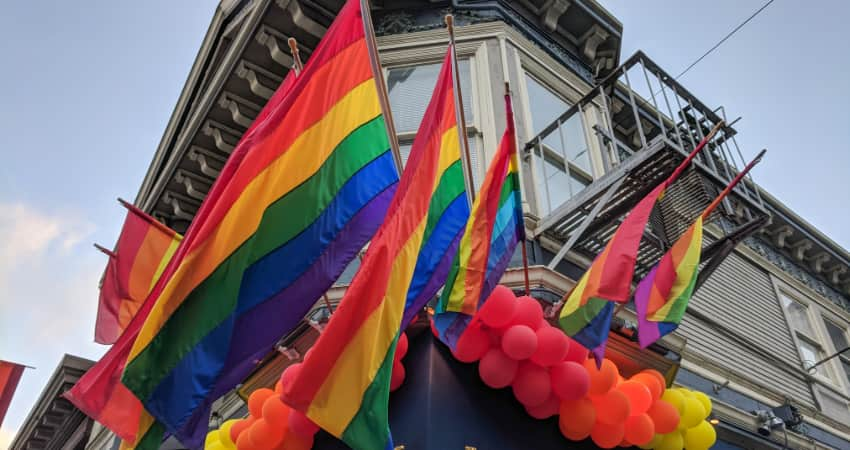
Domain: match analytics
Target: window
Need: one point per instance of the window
(798, 315)
(838, 336)
(810, 344)
(410, 90)
(563, 160)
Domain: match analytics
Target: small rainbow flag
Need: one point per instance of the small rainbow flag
(144, 248)
(447, 214)
(307, 195)
(586, 314)
(662, 296)
(10, 376)
(494, 229)
(343, 385)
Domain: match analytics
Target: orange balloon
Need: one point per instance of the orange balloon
(639, 396)
(275, 411)
(278, 387)
(245, 442)
(612, 408)
(577, 418)
(240, 426)
(658, 376)
(266, 435)
(603, 379)
(256, 400)
(607, 435)
(639, 429)
(651, 382)
(664, 415)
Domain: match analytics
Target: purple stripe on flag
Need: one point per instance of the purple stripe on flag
(438, 278)
(648, 331)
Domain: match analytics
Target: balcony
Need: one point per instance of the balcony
(646, 123)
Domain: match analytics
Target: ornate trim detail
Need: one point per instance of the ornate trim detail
(795, 271)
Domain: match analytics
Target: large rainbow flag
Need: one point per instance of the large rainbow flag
(586, 314)
(144, 248)
(662, 297)
(448, 212)
(491, 235)
(99, 393)
(305, 198)
(343, 385)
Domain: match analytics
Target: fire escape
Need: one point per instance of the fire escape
(647, 124)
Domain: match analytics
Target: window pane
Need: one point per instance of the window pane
(544, 104)
(577, 183)
(575, 143)
(557, 181)
(410, 90)
(837, 335)
(809, 354)
(797, 315)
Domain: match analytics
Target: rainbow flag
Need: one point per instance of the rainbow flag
(344, 385)
(586, 314)
(10, 376)
(308, 194)
(448, 212)
(661, 298)
(99, 393)
(491, 235)
(143, 250)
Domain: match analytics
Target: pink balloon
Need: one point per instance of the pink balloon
(531, 385)
(289, 374)
(301, 424)
(528, 313)
(519, 342)
(552, 346)
(472, 344)
(499, 308)
(575, 352)
(397, 376)
(401, 347)
(546, 409)
(496, 369)
(570, 380)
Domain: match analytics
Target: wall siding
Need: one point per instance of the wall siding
(749, 332)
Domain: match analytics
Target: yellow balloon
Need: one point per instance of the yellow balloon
(212, 437)
(675, 398)
(700, 437)
(224, 434)
(706, 402)
(692, 413)
(671, 441)
(216, 445)
(653, 443)
(686, 392)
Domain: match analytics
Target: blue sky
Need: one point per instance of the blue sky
(90, 87)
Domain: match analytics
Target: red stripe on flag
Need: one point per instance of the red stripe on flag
(10, 375)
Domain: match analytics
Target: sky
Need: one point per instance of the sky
(90, 87)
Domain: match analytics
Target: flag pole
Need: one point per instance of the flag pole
(732, 184)
(135, 210)
(297, 65)
(522, 221)
(378, 72)
(105, 250)
(458, 98)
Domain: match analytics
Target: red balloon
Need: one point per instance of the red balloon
(552, 346)
(603, 379)
(289, 374)
(275, 412)
(575, 352)
(651, 383)
(546, 409)
(664, 415)
(640, 429)
(569, 380)
(612, 408)
(639, 396)
(301, 424)
(607, 435)
(401, 347)
(519, 342)
(241, 426)
(496, 369)
(472, 344)
(265, 435)
(528, 312)
(577, 418)
(256, 400)
(397, 376)
(531, 385)
(499, 308)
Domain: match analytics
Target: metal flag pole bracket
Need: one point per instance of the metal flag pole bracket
(297, 65)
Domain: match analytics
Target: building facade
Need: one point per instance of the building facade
(596, 132)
